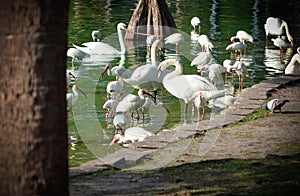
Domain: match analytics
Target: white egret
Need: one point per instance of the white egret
(132, 134)
(185, 87)
(73, 97)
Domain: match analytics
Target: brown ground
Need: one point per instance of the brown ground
(256, 157)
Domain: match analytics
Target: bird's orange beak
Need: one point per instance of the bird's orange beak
(82, 91)
(159, 73)
(104, 71)
(165, 107)
(114, 140)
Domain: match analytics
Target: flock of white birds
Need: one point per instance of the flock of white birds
(198, 88)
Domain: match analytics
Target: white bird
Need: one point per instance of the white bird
(113, 88)
(120, 122)
(241, 70)
(201, 61)
(228, 63)
(149, 103)
(222, 102)
(185, 87)
(145, 76)
(203, 97)
(96, 35)
(275, 104)
(100, 48)
(195, 22)
(294, 65)
(149, 41)
(200, 102)
(132, 134)
(277, 27)
(132, 103)
(120, 72)
(110, 105)
(282, 44)
(242, 36)
(214, 73)
(76, 54)
(73, 97)
(69, 77)
(175, 38)
(237, 47)
(205, 43)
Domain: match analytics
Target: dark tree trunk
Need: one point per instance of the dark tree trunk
(151, 17)
(33, 142)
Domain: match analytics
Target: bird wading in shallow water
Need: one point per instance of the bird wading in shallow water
(132, 103)
(73, 97)
(100, 48)
(277, 27)
(76, 54)
(185, 87)
(110, 105)
(120, 122)
(282, 44)
(176, 38)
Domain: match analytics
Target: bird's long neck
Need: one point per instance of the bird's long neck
(154, 54)
(178, 69)
(284, 25)
(141, 95)
(295, 60)
(75, 92)
(109, 71)
(121, 41)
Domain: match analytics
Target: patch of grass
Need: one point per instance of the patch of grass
(259, 113)
(277, 176)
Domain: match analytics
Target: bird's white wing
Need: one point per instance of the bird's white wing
(137, 133)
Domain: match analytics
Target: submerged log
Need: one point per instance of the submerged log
(151, 17)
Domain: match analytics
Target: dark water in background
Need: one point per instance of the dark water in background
(219, 21)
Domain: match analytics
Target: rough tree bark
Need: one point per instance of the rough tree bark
(33, 142)
(151, 17)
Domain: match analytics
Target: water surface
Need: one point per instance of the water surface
(89, 134)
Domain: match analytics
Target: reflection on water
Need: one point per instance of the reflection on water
(274, 62)
(219, 21)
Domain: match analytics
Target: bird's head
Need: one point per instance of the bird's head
(115, 139)
(148, 94)
(232, 39)
(71, 75)
(122, 26)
